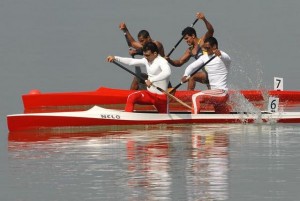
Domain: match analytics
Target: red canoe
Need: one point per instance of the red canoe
(35, 101)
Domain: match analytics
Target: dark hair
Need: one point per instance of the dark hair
(189, 31)
(212, 41)
(144, 34)
(150, 46)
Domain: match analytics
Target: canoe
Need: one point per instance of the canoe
(36, 101)
(101, 117)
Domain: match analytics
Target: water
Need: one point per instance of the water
(58, 46)
(209, 162)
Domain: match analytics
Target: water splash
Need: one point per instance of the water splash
(242, 106)
(249, 69)
(246, 69)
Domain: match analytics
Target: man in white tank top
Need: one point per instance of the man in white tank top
(217, 70)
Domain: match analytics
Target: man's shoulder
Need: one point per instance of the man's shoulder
(224, 53)
(161, 59)
(158, 43)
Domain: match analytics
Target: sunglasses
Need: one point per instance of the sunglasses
(207, 48)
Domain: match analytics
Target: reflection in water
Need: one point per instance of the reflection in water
(149, 167)
(172, 163)
(205, 164)
(207, 169)
(147, 164)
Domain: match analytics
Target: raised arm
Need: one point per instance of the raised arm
(209, 27)
(225, 58)
(129, 37)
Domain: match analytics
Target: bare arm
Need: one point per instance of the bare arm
(129, 37)
(182, 60)
(210, 29)
(160, 47)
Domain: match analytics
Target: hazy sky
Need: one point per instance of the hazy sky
(61, 45)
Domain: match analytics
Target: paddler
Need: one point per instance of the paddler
(137, 46)
(217, 70)
(158, 71)
(195, 50)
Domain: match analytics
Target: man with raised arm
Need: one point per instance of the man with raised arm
(158, 71)
(195, 50)
(143, 38)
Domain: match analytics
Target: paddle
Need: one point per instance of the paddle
(158, 88)
(180, 39)
(188, 77)
(137, 68)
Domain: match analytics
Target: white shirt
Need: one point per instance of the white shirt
(217, 69)
(158, 71)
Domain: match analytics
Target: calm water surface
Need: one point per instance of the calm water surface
(208, 162)
(61, 45)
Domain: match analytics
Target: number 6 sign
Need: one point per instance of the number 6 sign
(273, 104)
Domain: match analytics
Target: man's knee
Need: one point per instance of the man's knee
(133, 97)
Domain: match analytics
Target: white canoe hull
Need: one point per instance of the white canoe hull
(98, 116)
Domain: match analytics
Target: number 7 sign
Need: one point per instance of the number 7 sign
(278, 83)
